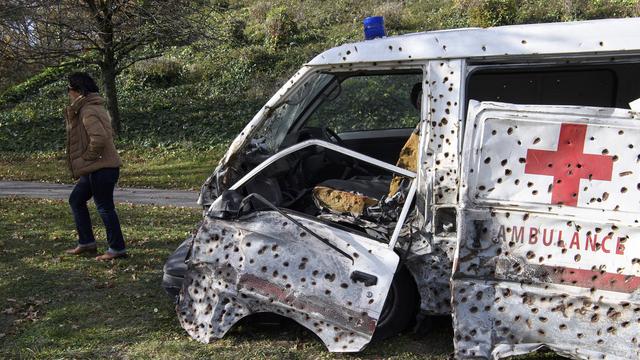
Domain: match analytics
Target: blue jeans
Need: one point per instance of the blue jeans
(99, 185)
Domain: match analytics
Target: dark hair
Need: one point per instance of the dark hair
(82, 83)
(415, 93)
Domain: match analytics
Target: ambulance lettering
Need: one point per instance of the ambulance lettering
(576, 240)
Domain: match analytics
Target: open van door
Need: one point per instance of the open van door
(331, 279)
(549, 241)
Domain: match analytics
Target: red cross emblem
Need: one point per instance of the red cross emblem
(569, 164)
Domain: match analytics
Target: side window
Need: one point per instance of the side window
(369, 103)
(607, 85)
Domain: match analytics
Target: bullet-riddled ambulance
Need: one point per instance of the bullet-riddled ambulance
(492, 174)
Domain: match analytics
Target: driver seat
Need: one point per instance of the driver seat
(354, 196)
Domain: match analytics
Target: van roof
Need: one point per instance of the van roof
(593, 37)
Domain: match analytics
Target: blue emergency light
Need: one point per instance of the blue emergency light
(373, 27)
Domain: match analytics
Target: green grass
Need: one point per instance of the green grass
(166, 168)
(58, 306)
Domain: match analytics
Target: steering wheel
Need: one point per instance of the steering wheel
(330, 134)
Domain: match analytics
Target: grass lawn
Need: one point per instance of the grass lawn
(165, 168)
(58, 306)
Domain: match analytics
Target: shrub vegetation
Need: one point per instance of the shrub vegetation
(202, 94)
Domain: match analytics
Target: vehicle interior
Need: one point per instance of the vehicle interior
(371, 114)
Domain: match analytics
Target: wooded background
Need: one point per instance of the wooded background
(194, 72)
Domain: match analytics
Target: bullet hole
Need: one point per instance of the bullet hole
(536, 140)
(487, 160)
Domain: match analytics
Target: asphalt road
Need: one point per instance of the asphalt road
(128, 195)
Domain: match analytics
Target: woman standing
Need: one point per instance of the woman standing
(93, 159)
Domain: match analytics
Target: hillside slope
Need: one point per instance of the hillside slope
(202, 94)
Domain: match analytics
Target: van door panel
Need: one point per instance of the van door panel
(265, 263)
(549, 241)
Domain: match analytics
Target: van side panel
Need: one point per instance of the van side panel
(549, 245)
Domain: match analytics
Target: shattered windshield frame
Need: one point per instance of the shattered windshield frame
(271, 133)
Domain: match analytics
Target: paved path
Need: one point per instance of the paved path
(128, 195)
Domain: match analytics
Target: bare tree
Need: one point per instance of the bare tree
(112, 34)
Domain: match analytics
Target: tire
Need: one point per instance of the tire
(400, 307)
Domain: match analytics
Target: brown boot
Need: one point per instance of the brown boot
(110, 256)
(82, 250)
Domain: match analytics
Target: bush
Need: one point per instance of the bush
(487, 13)
(280, 27)
(160, 72)
(16, 93)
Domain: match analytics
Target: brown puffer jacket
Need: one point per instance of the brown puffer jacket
(89, 136)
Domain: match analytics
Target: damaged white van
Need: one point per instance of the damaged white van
(503, 188)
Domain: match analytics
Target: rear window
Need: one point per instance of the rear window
(600, 85)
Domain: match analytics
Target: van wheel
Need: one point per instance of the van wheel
(400, 307)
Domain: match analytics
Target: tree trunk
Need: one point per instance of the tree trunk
(111, 93)
(108, 64)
